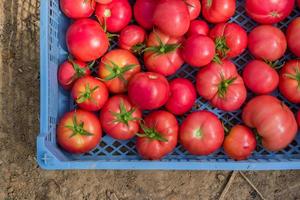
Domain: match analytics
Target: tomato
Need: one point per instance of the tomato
(198, 27)
(172, 17)
(70, 70)
(162, 54)
(260, 77)
(217, 11)
(221, 85)
(132, 38)
(103, 1)
(298, 3)
(273, 120)
(198, 50)
(239, 143)
(201, 133)
(159, 135)
(119, 119)
(143, 11)
(117, 67)
(78, 131)
(267, 42)
(114, 16)
(293, 35)
(194, 7)
(298, 118)
(89, 93)
(230, 39)
(86, 40)
(289, 81)
(148, 90)
(182, 96)
(269, 11)
(76, 9)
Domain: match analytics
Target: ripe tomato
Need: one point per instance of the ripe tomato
(117, 67)
(201, 133)
(132, 38)
(114, 16)
(119, 119)
(293, 35)
(198, 50)
(272, 119)
(76, 9)
(194, 7)
(103, 1)
(89, 93)
(239, 143)
(86, 40)
(172, 17)
(298, 3)
(162, 54)
(198, 27)
(230, 39)
(269, 11)
(78, 131)
(289, 81)
(143, 11)
(159, 135)
(182, 96)
(221, 85)
(70, 70)
(267, 42)
(260, 77)
(217, 11)
(148, 90)
(298, 118)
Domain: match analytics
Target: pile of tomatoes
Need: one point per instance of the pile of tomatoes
(112, 91)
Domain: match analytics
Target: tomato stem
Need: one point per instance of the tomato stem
(151, 133)
(224, 84)
(124, 116)
(77, 128)
(87, 94)
(221, 46)
(79, 72)
(295, 76)
(138, 48)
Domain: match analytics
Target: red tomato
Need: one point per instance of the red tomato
(76, 9)
(260, 77)
(298, 118)
(132, 38)
(201, 133)
(267, 42)
(119, 119)
(103, 1)
(78, 131)
(221, 85)
(143, 12)
(298, 3)
(159, 135)
(198, 27)
(194, 7)
(269, 11)
(172, 17)
(86, 40)
(182, 96)
(70, 70)
(117, 67)
(198, 50)
(239, 143)
(230, 39)
(148, 90)
(89, 93)
(162, 54)
(293, 35)
(272, 119)
(289, 81)
(217, 11)
(114, 16)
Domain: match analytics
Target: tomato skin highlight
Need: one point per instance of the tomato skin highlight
(77, 9)
(293, 35)
(217, 11)
(198, 27)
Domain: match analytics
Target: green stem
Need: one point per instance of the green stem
(124, 116)
(224, 84)
(151, 133)
(78, 128)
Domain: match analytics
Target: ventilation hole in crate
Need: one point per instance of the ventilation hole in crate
(240, 9)
(174, 153)
(116, 153)
(131, 153)
(288, 148)
(109, 149)
(259, 148)
(279, 152)
(95, 151)
(264, 153)
(123, 149)
(87, 154)
(248, 25)
(102, 144)
(240, 19)
(101, 154)
(294, 143)
(130, 144)
(116, 144)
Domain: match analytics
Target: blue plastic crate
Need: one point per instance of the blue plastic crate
(114, 154)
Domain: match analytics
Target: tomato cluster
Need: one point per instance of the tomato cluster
(111, 90)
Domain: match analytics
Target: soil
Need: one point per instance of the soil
(20, 176)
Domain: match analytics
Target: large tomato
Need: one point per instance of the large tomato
(260, 77)
(162, 54)
(143, 12)
(172, 17)
(198, 27)
(217, 11)
(194, 7)
(289, 81)
(221, 85)
(198, 50)
(78, 131)
(293, 35)
(298, 3)
(230, 39)
(201, 133)
(114, 16)
(103, 1)
(267, 42)
(148, 90)
(116, 68)
(159, 135)
(269, 11)
(119, 119)
(272, 119)
(298, 118)
(86, 40)
(76, 9)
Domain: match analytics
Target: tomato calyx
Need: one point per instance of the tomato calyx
(116, 71)
(138, 48)
(77, 128)
(198, 133)
(224, 84)
(124, 116)
(274, 14)
(87, 94)
(109, 35)
(208, 3)
(295, 76)
(275, 65)
(79, 72)
(221, 46)
(151, 133)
